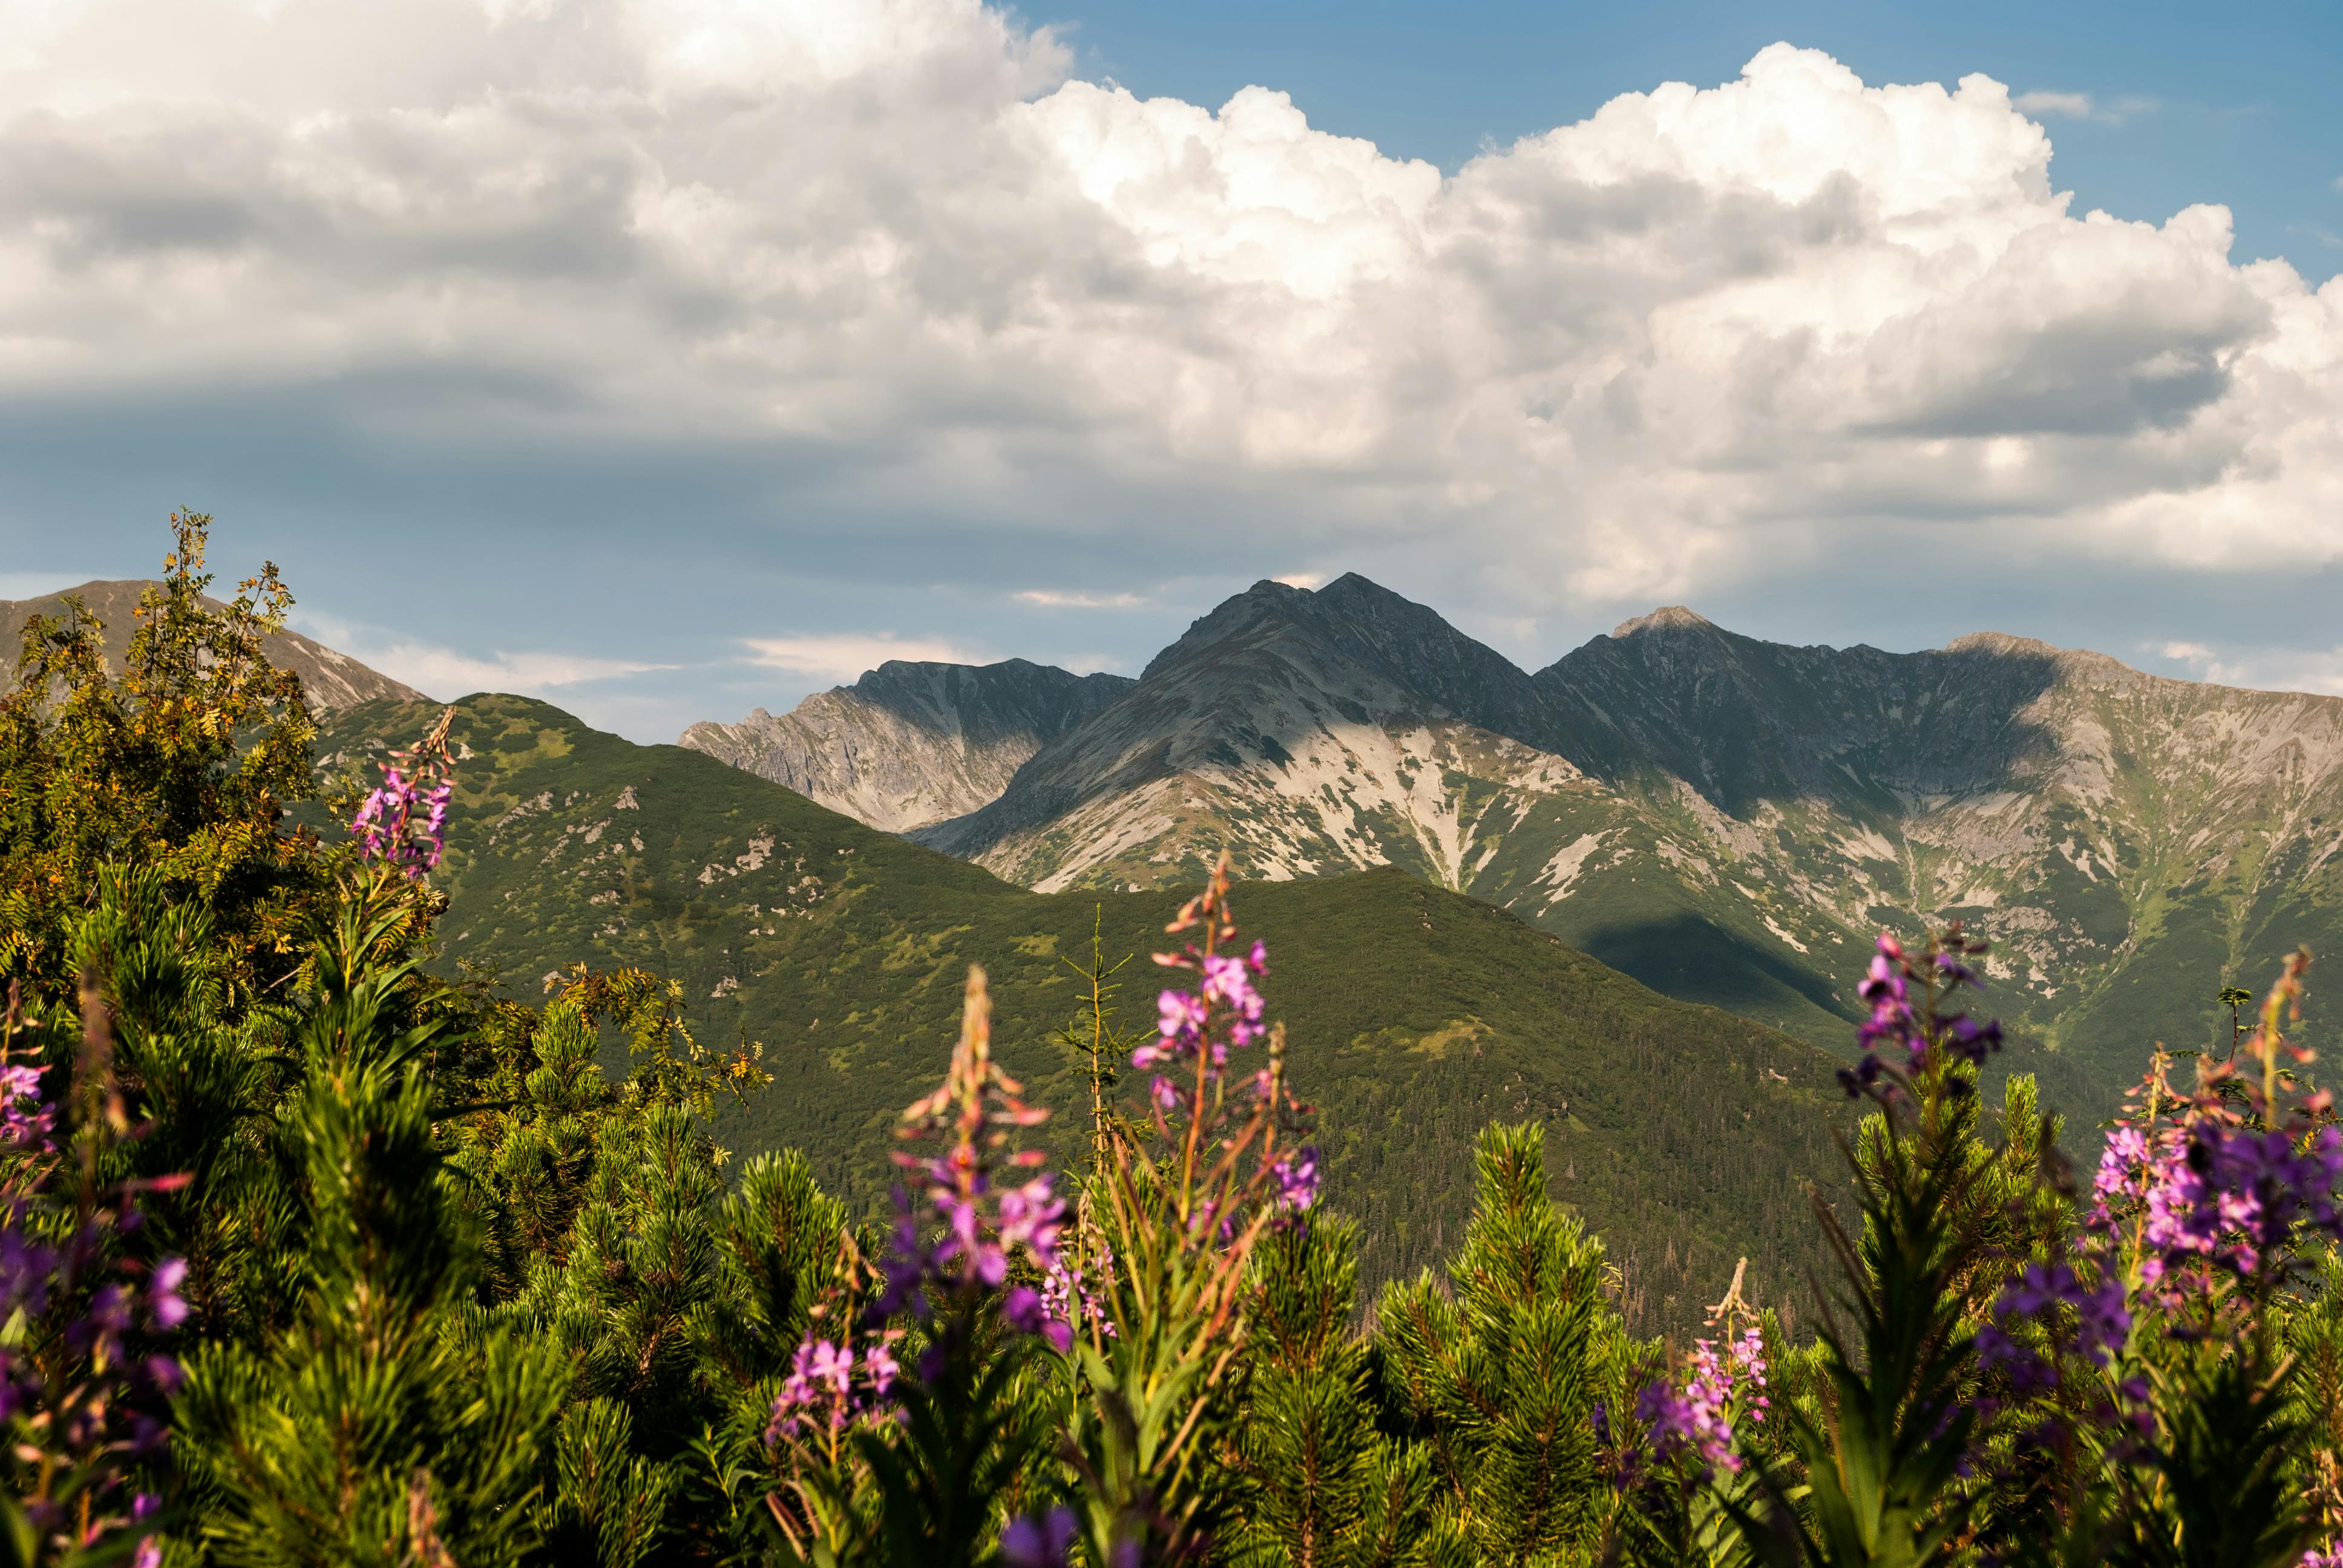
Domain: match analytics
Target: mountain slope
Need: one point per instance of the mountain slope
(330, 680)
(1686, 1135)
(912, 744)
(1729, 819)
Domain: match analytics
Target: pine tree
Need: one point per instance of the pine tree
(1503, 1368)
(375, 1429)
(1328, 1490)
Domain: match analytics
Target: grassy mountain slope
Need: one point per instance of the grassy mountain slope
(1684, 1134)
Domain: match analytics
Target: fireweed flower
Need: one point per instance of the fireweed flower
(403, 823)
(1297, 1180)
(987, 1220)
(81, 1420)
(1719, 1387)
(26, 1119)
(1196, 1030)
(2234, 1197)
(1223, 1123)
(1038, 1540)
(2054, 1297)
(1909, 1025)
(827, 1389)
(1070, 1291)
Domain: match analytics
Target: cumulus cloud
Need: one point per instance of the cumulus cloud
(1702, 334)
(843, 658)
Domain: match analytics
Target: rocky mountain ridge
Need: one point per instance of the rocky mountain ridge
(912, 744)
(1730, 820)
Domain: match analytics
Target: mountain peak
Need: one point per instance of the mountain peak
(1274, 591)
(330, 679)
(2002, 642)
(1667, 617)
(914, 741)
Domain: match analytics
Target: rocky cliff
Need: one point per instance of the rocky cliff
(912, 744)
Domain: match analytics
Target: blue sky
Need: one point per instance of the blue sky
(670, 359)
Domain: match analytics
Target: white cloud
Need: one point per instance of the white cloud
(844, 658)
(445, 673)
(1302, 580)
(1060, 599)
(2309, 669)
(1701, 335)
(2081, 107)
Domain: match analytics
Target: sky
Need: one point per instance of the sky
(666, 358)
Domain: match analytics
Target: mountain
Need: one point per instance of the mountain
(1686, 1135)
(330, 679)
(1728, 820)
(912, 744)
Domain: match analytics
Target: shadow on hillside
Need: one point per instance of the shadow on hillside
(1744, 723)
(1693, 959)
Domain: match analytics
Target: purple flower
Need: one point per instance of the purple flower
(1223, 1013)
(403, 824)
(26, 1269)
(165, 1306)
(163, 1372)
(1039, 1541)
(2046, 1293)
(907, 1266)
(1297, 1180)
(1718, 1388)
(1068, 1297)
(1031, 1217)
(2230, 1196)
(1180, 1020)
(1897, 1028)
(26, 1119)
(2120, 1164)
(1027, 1312)
(1973, 1040)
(883, 1369)
(822, 1391)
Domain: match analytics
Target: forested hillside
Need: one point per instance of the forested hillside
(1418, 1016)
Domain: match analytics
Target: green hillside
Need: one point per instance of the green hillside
(1685, 1135)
